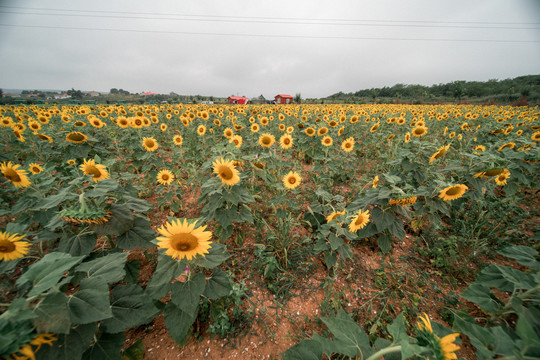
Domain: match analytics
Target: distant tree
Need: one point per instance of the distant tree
(298, 98)
(1, 93)
(113, 91)
(25, 92)
(75, 94)
(123, 92)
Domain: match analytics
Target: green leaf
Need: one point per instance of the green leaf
(382, 219)
(52, 314)
(217, 254)
(385, 243)
(178, 322)
(328, 347)
(132, 269)
(134, 352)
(505, 278)
(24, 203)
(367, 231)
(167, 269)
(107, 347)
(46, 273)
(482, 296)
(398, 330)
(304, 350)
(130, 307)
(137, 205)
(109, 269)
(90, 303)
(54, 200)
(102, 187)
(78, 245)
(330, 259)
(139, 236)
(69, 347)
(335, 241)
(481, 338)
(225, 217)
(218, 285)
(524, 255)
(121, 221)
(186, 295)
(348, 336)
(396, 228)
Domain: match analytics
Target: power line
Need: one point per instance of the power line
(269, 18)
(272, 22)
(268, 36)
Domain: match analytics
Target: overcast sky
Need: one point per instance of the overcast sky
(221, 48)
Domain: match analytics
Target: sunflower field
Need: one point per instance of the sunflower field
(413, 229)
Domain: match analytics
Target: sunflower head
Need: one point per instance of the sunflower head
(11, 246)
(453, 192)
(97, 171)
(201, 130)
(439, 153)
(502, 177)
(419, 131)
(291, 180)
(150, 144)
(183, 240)
(327, 141)
(76, 137)
(165, 177)
(35, 168)
(226, 171)
(286, 141)
(359, 221)
(17, 176)
(178, 140)
(267, 140)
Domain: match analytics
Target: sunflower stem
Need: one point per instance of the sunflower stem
(384, 351)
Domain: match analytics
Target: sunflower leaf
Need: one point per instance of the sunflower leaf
(54, 200)
(107, 347)
(304, 350)
(524, 255)
(218, 285)
(90, 303)
(178, 322)
(52, 314)
(70, 346)
(167, 269)
(382, 219)
(121, 221)
(186, 295)
(78, 245)
(109, 269)
(217, 254)
(139, 236)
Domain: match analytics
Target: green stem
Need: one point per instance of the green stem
(384, 351)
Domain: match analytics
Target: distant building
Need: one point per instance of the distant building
(93, 93)
(238, 100)
(283, 99)
(148, 93)
(62, 96)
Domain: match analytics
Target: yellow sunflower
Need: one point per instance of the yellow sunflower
(443, 348)
(35, 168)
(348, 145)
(165, 177)
(291, 180)
(491, 172)
(439, 153)
(201, 130)
(322, 131)
(375, 181)
(535, 136)
(178, 140)
(453, 192)
(17, 176)
(502, 177)
(237, 140)
(228, 133)
(286, 141)
(509, 145)
(183, 240)
(71, 162)
(327, 141)
(334, 215)
(266, 140)
(419, 131)
(76, 137)
(98, 171)
(309, 131)
(255, 128)
(163, 127)
(11, 246)
(150, 144)
(259, 165)
(359, 221)
(226, 171)
(374, 127)
(407, 137)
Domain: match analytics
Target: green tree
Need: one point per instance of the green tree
(298, 98)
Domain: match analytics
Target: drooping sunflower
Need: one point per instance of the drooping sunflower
(407, 137)
(535, 136)
(35, 168)
(183, 240)
(165, 177)
(322, 131)
(286, 141)
(327, 141)
(76, 137)
(491, 172)
(439, 153)
(178, 140)
(502, 177)
(359, 221)
(453, 192)
(150, 144)
(98, 171)
(348, 145)
(509, 145)
(334, 215)
(375, 181)
(267, 140)
(374, 127)
(291, 180)
(441, 348)
(201, 130)
(11, 246)
(17, 176)
(259, 165)
(419, 131)
(226, 171)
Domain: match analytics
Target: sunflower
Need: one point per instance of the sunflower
(359, 221)
(291, 180)
(259, 165)
(76, 137)
(439, 153)
(163, 127)
(255, 128)
(509, 145)
(237, 140)
(226, 171)
(267, 140)
(11, 247)
(228, 133)
(201, 130)
(502, 177)
(98, 171)
(286, 141)
(178, 140)
(17, 176)
(348, 145)
(334, 215)
(535, 136)
(442, 348)
(183, 240)
(71, 162)
(374, 127)
(375, 181)
(407, 137)
(309, 131)
(150, 144)
(453, 192)
(491, 172)
(165, 177)
(479, 148)
(419, 131)
(322, 131)
(327, 141)
(290, 129)
(35, 168)
(34, 125)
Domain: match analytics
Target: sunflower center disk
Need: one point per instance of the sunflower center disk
(76, 137)
(359, 221)
(184, 242)
(6, 246)
(12, 175)
(292, 180)
(94, 171)
(453, 191)
(149, 143)
(225, 173)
